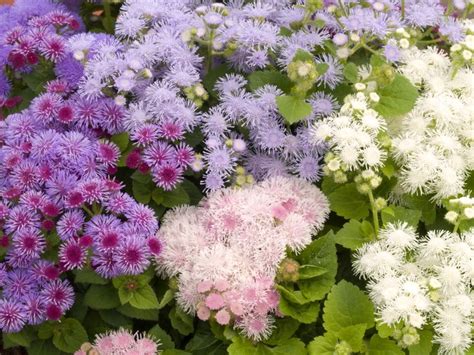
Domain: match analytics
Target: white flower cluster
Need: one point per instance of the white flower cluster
(352, 136)
(422, 281)
(463, 51)
(434, 143)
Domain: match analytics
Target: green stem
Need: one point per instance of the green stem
(209, 52)
(430, 41)
(89, 212)
(108, 22)
(403, 9)
(456, 225)
(369, 49)
(341, 4)
(375, 214)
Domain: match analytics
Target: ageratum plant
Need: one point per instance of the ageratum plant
(310, 163)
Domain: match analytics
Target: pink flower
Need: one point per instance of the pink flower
(215, 301)
(203, 313)
(222, 285)
(204, 286)
(223, 317)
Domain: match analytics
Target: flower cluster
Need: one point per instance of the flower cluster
(35, 35)
(120, 342)
(354, 138)
(414, 281)
(226, 252)
(159, 72)
(58, 195)
(433, 144)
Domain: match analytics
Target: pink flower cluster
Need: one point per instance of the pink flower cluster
(120, 342)
(226, 252)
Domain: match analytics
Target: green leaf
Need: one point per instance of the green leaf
(143, 178)
(69, 335)
(284, 329)
(136, 313)
(174, 352)
(167, 298)
(181, 321)
(306, 313)
(303, 55)
(292, 108)
(424, 346)
(347, 202)
(193, 192)
(394, 213)
(38, 77)
(350, 236)
(323, 345)
(101, 297)
(397, 98)
(144, 298)
(269, 77)
(310, 271)
(242, 346)
(204, 343)
(88, 276)
(175, 197)
(166, 342)
(384, 330)
(292, 296)
(423, 204)
(377, 61)
(116, 319)
(322, 253)
(211, 78)
(292, 346)
(322, 68)
(379, 346)
(339, 308)
(45, 330)
(351, 73)
(142, 192)
(22, 338)
(121, 140)
(43, 347)
(353, 335)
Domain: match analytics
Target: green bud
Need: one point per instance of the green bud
(342, 348)
(380, 203)
(288, 270)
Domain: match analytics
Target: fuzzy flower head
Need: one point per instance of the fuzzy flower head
(248, 244)
(414, 280)
(119, 342)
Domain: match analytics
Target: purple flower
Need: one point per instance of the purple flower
(59, 293)
(391, 52)
(423, 13)
(133, 256)
(29, 243)
(158, 154)
(167, 175)
(13, 316)
(323, 104)
(142, 219)
(20, 282)
(70, 224)
(72, 255)
(308, 167)
(333, 74)
(452, 29)
(34, 309)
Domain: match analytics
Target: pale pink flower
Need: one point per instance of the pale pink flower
(223, 317)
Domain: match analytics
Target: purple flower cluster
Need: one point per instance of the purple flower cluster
(246, 129)
(31, 36)
(60, 207)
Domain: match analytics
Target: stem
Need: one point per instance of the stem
(375, 215)
(89, 212)
(456, 225)
(209, 52)
(108, 22)
(341, 4)
(403, 9)
(369, 49)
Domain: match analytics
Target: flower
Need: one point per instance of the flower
(122, 341)
(415, 279)
(238, 230)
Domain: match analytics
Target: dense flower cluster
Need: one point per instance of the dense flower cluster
(120, 342)
(57, 190)
(154, 67)
(434, 143)
(415, 281)
(226, 252)
(33, 34)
